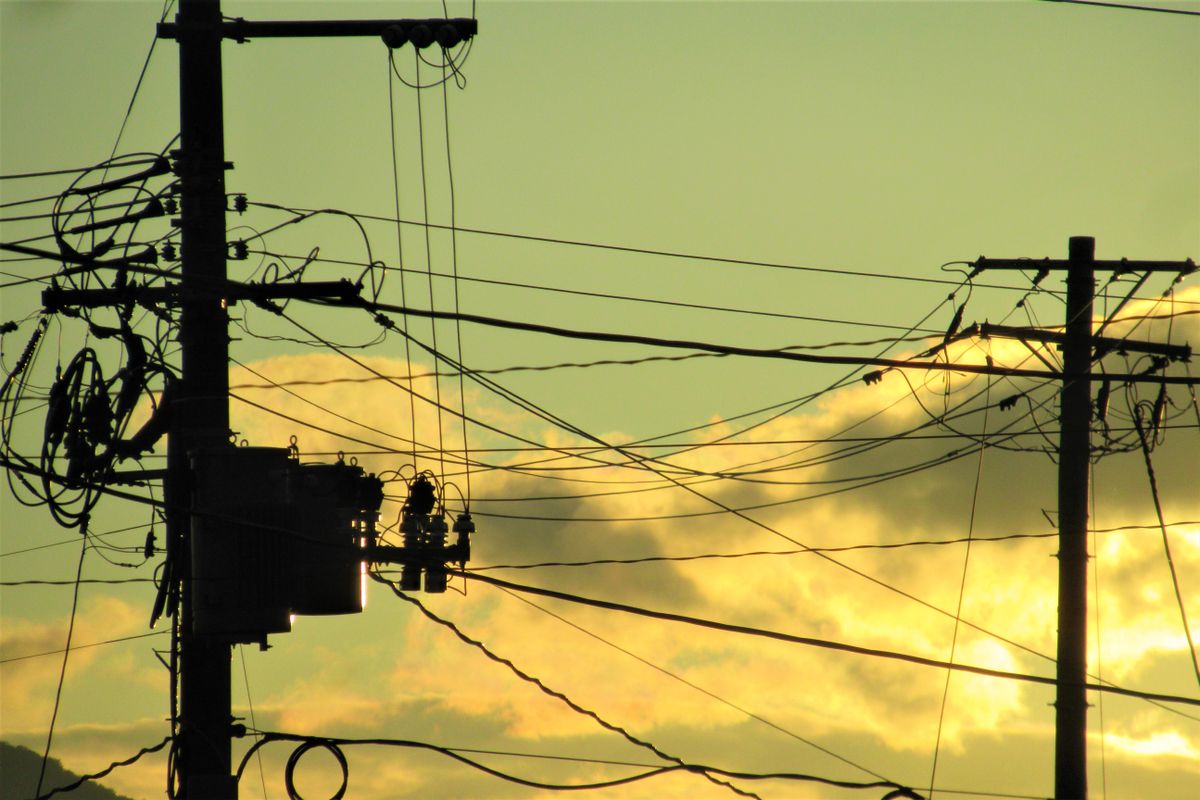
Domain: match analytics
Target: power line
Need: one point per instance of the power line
(1127, 7)
(62, 673)
(333, 744)
(528, 678)
(100, 581)
(610, 295)
(811, 641)
(753, 352)
(102, 773)
(82, 646)
(305, 212)
(69, 171)
(756, 553)
(686, 682)
(1153, 480)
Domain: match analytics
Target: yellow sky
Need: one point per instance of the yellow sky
(884, 138)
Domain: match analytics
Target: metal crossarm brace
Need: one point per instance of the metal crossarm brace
(1175, 352)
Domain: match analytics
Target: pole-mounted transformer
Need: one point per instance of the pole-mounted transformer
(272, 539)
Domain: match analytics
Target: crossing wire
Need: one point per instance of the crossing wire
(813, 641)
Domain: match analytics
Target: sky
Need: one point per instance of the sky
(806, 175)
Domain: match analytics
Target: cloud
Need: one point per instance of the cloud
(391, 672)
(28, 685)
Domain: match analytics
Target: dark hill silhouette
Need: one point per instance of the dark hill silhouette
(19, 768)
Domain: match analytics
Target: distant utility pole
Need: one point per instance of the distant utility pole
(1070, 750)
(200, 411)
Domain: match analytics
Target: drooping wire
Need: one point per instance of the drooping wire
(528, 678)
(250, 702)
(62, 673)
(724, 508)
(437, 382)
(333, 745)
(119, 639)
(95, 776)
(1098, 637)
(701, 689)
(810, 641)
(1153, 480)
(962, 590)
(462, 392)
(137, 87)
(412, 407)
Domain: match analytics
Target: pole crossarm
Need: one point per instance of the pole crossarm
(1103, 344)
(241, 30)
(417, 556)
(1185, 267)
(56, 298)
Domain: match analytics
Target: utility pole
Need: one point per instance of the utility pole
(1070, 704)
(1075, 409)
(199, 418)
(200, 413)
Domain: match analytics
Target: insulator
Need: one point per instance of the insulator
(1102, 401)
(435, 573)
(1160, 408)
(421, 35)
(394, 36)
(448, 36)
(464, 526)
(410, 574)
(422, 497)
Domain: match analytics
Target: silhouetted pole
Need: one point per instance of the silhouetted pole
(200, 415)
(1070, 747)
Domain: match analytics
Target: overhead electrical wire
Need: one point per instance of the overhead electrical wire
(614, 296)
(334, 745)
(528, 678)
(1127, 7)
(754, 352)
(962, 590)
(9, 659)
(412, 412)
(437, 382)
(814, 642)
(756, 553)
(62, 673)
(95, 776)
(664, 253)
(702, 690)
(774, 531)
(1153, 481)
(67, 171)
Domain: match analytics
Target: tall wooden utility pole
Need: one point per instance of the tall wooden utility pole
(200, 413)
(1070, 704)
(1077, 342)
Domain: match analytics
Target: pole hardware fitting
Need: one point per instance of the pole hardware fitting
(153, 208)
(238, 251)
(424, 32)
(161, 166)
(181, 165)
(240, 203)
